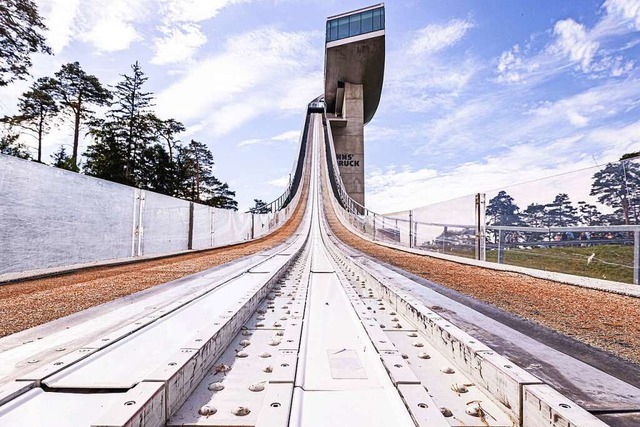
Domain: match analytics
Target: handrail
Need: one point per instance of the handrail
(289, 193)
(579, 229)
(336, 180)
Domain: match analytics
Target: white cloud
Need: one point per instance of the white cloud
(291, 136)
(416, 83)
(596, 105)
(576, 46)
(281, 182)
(233, 115)
(243, 81)
(194, 10)
(627, 10)
(59, 16)
(620, 67)
(288, 136)
(509, 64)
(530, 173)
(179, 44)
(434, 38)
(109, 25)
(111, 34)
(181, 30)
(299, 91)
(457, 130)
(574, 41)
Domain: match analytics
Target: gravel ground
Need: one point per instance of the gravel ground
(31, 303)
(607, 321)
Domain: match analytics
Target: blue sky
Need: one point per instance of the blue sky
(477, 95)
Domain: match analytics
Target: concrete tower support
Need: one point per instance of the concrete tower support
(348, 137)
(354, 71)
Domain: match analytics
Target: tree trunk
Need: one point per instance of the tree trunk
(625, 210)
(76, 139)
(40, 125)
(76, 131)
(197, 178)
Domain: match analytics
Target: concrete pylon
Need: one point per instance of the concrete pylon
(348, 138)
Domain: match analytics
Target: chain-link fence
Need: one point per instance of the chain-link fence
(584, 223)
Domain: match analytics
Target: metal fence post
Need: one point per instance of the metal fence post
(500, 246)
(190, 236)
(212, 225)
(636, 257)
(135, 226)
(444, 239)
(141, 224)
(374, 226)
(410, 229)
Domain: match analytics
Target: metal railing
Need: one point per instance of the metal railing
(294, 184)
(474, 238)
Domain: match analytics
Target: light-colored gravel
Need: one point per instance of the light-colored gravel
(604, 320)
(30, 303)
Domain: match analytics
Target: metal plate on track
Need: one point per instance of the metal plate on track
(36, 408)
(128, 361)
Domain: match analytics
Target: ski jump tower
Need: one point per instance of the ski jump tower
(353, 75)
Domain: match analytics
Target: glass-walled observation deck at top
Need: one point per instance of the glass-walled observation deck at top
(362, 22)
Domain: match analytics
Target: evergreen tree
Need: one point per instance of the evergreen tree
(21, 31)
(589, 214)
(535, 215)
(10, 145)
(260, 207)
(106, 157)
(167, 130)
(195, 164)
(157, 172)
(61, 159)
(197, 182)
(222, 197)
(132, 119)
(618, 186)
(561, 212)
(502, 211)
(77, 91)
(37, 107)
(631, 155)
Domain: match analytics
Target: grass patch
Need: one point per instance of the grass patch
(610, 262)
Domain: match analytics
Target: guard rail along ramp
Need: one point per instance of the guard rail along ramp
(305, 334)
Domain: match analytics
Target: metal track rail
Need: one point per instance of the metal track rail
(303, 335)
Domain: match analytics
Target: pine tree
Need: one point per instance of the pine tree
(37, 108)
(106, 156)
(21, 29)
(131, 117)
(167, 130)
(589, 214)
(61, 159)
(561, 212)
(10, 145)
(77, 91)
(535, 215)
(502, 211)
(157, 172)
(260, 207)
(618, 186)
(198, 184)
(222, 197)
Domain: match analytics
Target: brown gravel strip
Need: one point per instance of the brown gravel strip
(604, 320)
(31, 303)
